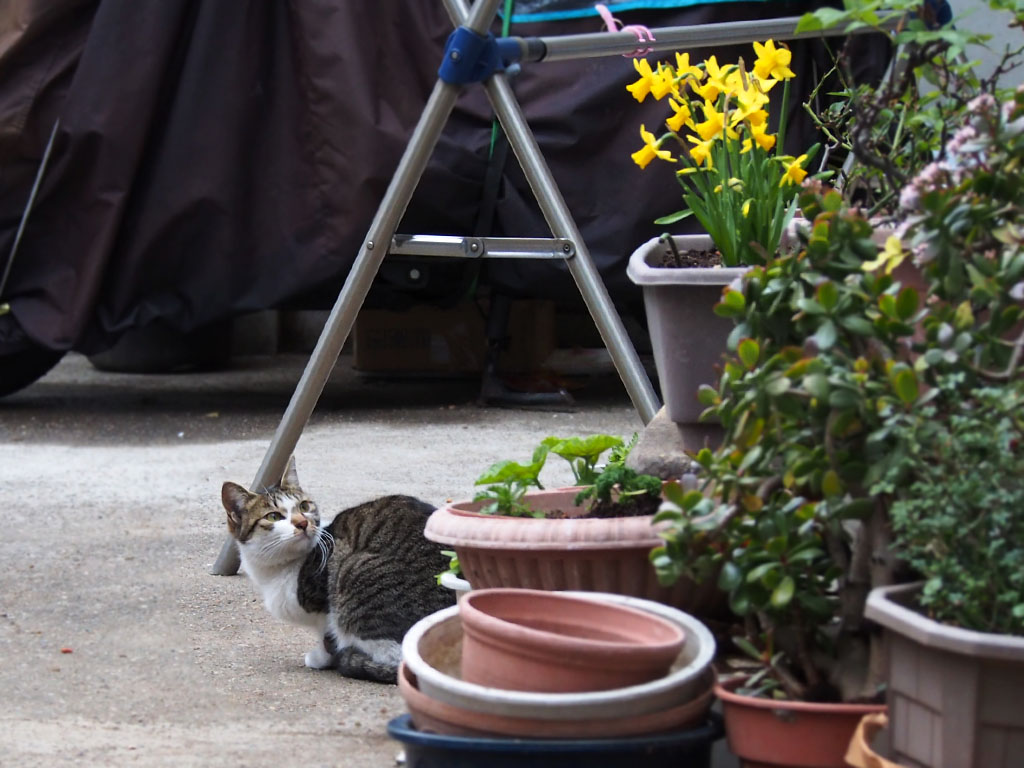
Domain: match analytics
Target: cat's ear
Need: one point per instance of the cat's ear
(234, 497)
(291, 477)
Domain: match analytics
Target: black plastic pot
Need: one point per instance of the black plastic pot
(685, 749)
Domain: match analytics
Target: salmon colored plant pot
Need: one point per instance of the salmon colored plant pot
(767, 733)
(432, 651)
(532, 640)
(569, 553)
(435, 716)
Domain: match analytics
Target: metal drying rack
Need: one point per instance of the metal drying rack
(472, 55)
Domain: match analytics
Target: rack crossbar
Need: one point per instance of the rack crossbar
(482, 247)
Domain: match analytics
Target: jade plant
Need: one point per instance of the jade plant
(784, 519)
(610, 485)
(863, 372)
(853, 405)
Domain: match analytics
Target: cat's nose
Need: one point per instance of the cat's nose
(300, 522)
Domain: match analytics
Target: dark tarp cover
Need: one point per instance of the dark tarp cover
(219, 157)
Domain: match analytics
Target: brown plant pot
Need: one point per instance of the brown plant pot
(687, 338)
(530, 640)
(954, 695)
(571, 553)
(765, 733)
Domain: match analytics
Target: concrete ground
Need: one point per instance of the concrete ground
(117, 646)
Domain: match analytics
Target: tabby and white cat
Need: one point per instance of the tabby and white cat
(359, 583)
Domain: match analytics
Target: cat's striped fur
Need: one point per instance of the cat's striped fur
(359, 583)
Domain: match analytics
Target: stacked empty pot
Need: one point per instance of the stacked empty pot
(576, 675)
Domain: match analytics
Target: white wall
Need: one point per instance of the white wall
(978, 17)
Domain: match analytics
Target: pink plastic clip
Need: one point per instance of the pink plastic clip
(643, 34)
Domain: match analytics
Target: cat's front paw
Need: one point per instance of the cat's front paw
(319, 658)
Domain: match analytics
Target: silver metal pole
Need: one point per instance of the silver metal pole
(562, 225)
(582, 268)
(559, 48)
(28, 206)
(357, 284)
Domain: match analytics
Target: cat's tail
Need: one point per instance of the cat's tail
(357, 664)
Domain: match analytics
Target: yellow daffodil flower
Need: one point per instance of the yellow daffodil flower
(763, 84)
(746, 208)
(685, 70)
(650, 150)
(713, 124)
(641, 87)
(681, 116)
(759, 134)
(772, 61)
(758, 117)
(890, 257)
(662, 83)
(701, 152)
(751, 98)
(716, 80)
(742, 114)
(793, 174)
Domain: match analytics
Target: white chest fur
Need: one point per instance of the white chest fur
(277, 585)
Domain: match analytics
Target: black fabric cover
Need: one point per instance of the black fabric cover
(217, 157)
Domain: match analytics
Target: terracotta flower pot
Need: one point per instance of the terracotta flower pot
(435, 716)
(432, 650)
(765, 733)
(572, 553)
(530, 640)
(861, 752)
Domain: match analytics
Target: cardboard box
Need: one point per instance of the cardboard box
(426, 340)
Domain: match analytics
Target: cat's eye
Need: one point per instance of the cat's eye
(273, 516)
(305, 506)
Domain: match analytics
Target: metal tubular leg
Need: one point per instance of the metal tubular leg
(396, 199)
(343, 315)
(556, 212)
(357, 284)
(562, 225)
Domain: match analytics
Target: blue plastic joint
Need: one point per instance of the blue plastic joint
(472, 58)
(939, 13)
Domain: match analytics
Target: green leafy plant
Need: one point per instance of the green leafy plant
(814, 362)
(454, 567)
(583, 453)
(735, 179)
(958, 515)
(507, 483)
(894, 128)
(865, 371)
(854, 403)
(613, 483)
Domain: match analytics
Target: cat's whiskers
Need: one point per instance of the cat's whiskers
(271, 544)
(323, 547)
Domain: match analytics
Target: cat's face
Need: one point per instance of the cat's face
(274, 527)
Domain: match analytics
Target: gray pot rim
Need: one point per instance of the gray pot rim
(641, 273)
(885, 606)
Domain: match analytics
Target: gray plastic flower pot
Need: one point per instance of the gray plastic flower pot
(954, 695)
(687, 337)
